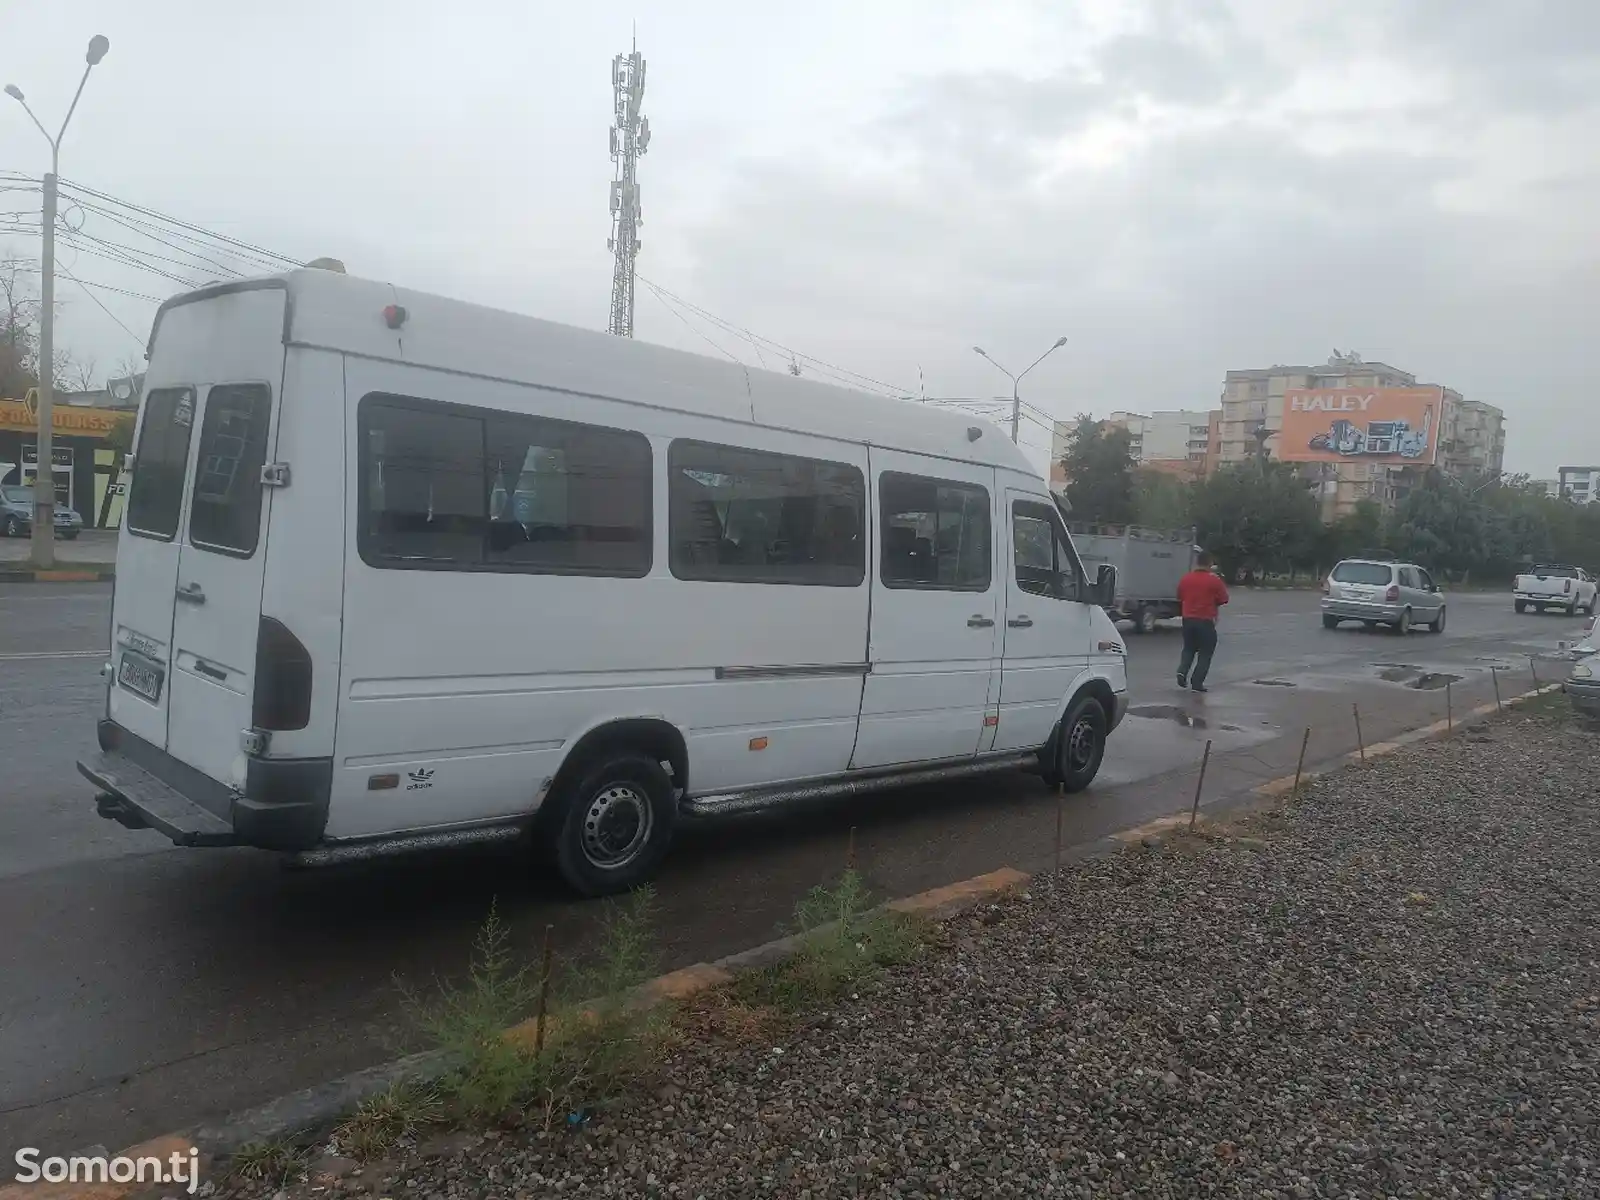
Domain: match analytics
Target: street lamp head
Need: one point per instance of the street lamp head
(1060, 342)
(975, 349)
(98, 45)
(14, 92)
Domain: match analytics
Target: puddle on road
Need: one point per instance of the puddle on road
(1181, 716)
(1414, 677)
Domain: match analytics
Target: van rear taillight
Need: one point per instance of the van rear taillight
(1393, 594)
(283, 679)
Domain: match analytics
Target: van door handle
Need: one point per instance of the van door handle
(193, 593)
(1020, 622)
(979, 621)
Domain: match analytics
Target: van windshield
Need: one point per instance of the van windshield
(1352, 572)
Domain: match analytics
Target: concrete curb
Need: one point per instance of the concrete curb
(325, 1103)
(322, 1104)
(71, 574)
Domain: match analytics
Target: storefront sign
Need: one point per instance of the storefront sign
(64, 418)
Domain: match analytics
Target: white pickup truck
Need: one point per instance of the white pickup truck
(1555, 585)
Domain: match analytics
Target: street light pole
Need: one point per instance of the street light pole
(1016, 383)
(43, 550)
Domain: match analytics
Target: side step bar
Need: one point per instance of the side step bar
(334, 853)
(856, 783)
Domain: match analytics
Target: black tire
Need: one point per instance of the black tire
(1437, 624)
(1081, 744)
(1330, 622)
(1522, 606)
(1403, 625)
(13, 527)
(611, 797)
(1144, 619)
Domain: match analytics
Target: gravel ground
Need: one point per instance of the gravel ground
(1393, 990)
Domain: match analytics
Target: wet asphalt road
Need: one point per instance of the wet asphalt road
(144, 988)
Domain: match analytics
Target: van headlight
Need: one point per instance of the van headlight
(1582, 672)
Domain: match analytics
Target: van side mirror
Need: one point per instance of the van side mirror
(1105, 585)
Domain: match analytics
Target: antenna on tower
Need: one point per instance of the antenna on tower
(630, 137)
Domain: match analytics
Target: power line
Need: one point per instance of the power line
(818, 363)
(181, 224)
(662, 301)
(104, 287)
(101, 306)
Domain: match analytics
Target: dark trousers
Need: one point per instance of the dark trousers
(1199, 643)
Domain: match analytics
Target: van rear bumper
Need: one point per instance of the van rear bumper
(284, 805)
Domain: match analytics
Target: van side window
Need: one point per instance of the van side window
(160, 466)
(446, 486)
(1045, 563)
(225, 513)
(749, 516)
(935, 533)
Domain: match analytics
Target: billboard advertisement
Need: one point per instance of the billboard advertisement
(1394, 426)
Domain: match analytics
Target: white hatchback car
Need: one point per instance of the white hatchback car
(1375, 593)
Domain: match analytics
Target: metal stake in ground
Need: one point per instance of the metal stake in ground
(544, 995)
(1194, 813)
(1061, 801)
(1360, 741)
(1534, 668)
(1301, 765)
(1495, 675)
(850, 851)
(1449, 710)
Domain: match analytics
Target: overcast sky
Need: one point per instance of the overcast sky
(1180, 187)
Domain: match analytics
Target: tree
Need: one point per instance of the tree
(120, 436)
(1257, 516)
(19, 347)
(1161, 500)
(1099, 469)
(1358, 532)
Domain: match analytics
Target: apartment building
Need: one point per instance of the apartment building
(1357, 452)
(1177, 441)
(1581, 485)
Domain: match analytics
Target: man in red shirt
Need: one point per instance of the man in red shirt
(1201, 592)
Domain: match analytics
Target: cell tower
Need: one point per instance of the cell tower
(630, 137)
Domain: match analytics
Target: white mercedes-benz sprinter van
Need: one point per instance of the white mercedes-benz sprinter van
(398, 571)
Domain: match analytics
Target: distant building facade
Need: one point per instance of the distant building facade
(1358, 452)
(1581, 485)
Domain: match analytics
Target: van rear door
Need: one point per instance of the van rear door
(201, 589)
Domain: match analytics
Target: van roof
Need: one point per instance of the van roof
(335, 311)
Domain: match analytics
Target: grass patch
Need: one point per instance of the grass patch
(844, 942)
(598, 1041)
(274, 1163)
(382, 1122)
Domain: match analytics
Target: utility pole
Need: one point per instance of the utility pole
(43, 549)
(630, 137)
(1016, 383)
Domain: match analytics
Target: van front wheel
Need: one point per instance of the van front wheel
(1082, 744)
(613, 829)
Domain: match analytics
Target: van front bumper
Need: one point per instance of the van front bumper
(284, 805)
(1584, 695)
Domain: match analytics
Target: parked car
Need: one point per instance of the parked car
(517, 581)
(1555, 585)
(1582, 684)
(16, 514)
(1375, 593)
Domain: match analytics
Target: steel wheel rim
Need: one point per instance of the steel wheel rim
(1080, 744)
(616, 826)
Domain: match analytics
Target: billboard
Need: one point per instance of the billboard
(1395, 426)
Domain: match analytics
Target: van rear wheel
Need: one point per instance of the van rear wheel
(612, 829)
(1082, 744)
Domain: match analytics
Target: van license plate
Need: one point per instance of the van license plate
(141, 675)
